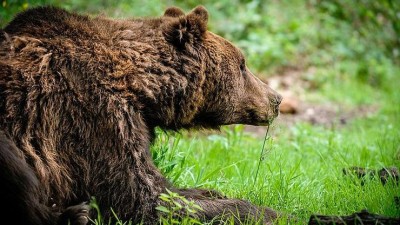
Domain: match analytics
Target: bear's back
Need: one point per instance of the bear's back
(50, 22)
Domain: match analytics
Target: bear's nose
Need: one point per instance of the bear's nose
(277, 99)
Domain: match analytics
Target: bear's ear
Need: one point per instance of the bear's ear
(198, 19)
(174, 12)
(185, 29)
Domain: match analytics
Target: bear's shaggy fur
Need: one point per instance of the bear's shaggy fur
(80, 98)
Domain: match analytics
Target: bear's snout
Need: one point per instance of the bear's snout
(275, 102)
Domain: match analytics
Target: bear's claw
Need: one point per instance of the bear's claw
(75, 215)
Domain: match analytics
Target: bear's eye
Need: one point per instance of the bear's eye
(243, 67)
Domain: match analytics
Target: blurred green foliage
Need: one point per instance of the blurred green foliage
(373, 21)
(278, 34)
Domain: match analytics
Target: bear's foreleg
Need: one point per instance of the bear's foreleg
(218, 208)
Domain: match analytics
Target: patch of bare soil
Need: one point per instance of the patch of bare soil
(325, 114)
(293, 84)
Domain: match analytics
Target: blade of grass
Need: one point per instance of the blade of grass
(261, 155)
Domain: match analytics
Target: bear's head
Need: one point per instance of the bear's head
(217, 87)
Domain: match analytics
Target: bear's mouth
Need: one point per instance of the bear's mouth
(266, 123)
(254, 118)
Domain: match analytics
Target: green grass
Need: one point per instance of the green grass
(354, 50)
(301, 172)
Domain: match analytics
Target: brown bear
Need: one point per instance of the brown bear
(80, 98)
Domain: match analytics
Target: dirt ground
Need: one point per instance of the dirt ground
(294, 84)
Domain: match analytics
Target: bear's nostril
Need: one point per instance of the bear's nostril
(278, 99)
